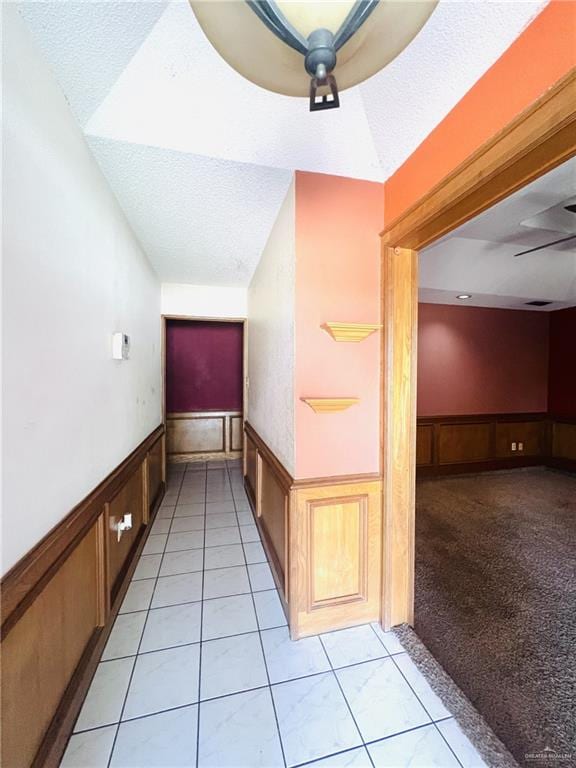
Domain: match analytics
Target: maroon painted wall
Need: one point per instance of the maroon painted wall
(203, 366)
(562, 363)
(473, 360)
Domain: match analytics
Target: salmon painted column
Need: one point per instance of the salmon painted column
(337, 279)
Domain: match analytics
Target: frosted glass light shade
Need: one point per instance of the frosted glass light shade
(245, 42)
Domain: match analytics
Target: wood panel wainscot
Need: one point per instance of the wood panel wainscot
(59, 603)
(563, 443)
(323, 540)
(460, 444)
(201, 435)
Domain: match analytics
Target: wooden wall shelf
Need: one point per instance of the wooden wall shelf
(350, 331)
(330, 404)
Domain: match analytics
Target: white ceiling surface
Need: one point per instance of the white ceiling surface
(169, 120)
(478, 257)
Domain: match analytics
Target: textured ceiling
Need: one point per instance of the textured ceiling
(200, 159)
(478, 257)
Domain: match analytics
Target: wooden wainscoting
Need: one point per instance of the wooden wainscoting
(59, 603)
(323, 540)
(457, 444)
(201, 435)
(563, 443)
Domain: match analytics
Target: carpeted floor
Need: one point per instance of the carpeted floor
(496, 601)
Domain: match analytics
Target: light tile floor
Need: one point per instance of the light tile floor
(199, 669)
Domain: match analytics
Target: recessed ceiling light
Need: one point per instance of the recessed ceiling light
(463, 296)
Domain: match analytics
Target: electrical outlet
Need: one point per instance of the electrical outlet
(520, 446)
(513, 446)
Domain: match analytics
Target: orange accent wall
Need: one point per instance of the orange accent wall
(337, 278)
(536, 60)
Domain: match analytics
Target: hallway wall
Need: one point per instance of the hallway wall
(473, 360)
(204, 301)
(76, 275)
(562, 365)
(270, 407)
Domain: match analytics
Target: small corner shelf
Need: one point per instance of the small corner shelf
(330, 404)
(350, 331)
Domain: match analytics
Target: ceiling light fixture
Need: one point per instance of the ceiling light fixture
(274, 43)
(463, 296)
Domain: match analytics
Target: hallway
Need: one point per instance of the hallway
(202, 621)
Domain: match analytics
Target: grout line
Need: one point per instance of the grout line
(263, 653)
(201, 627)
(344, 696)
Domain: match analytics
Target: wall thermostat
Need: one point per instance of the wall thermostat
(120, 346)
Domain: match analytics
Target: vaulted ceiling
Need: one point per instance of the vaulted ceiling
(200, 159)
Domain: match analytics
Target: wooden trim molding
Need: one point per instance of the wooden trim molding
(309, 525)
(59, 605)
(538, 140)
(350, 331)
(330, 404)
(21, 584)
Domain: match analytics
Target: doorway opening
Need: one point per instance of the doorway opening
(203, 389)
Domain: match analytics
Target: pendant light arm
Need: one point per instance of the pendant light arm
(352, 23)
(269, 13)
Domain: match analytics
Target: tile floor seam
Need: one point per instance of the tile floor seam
(265, 662)
(344, 697)
(137, 651)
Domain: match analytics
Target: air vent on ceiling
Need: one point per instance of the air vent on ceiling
(537, 303)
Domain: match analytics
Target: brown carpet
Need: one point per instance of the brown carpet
(496, 601)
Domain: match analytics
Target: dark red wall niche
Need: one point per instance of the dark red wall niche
(562, 363)
(203, 366)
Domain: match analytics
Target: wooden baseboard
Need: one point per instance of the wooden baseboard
(474, 467)
(59, 605)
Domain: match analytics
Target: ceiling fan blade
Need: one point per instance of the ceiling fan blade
(546, 245)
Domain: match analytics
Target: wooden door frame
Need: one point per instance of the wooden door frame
(202, 319)
(537, 141)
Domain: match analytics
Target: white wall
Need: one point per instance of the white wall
(271, 338)
(203, 301)
(73, 275)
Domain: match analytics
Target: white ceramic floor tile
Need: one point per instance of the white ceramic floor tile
(354, 758)
(185, 561)
(422, 748)
(186, 524)
(160, 525)
(219, 507)
(421, 687)
(249, 533)
(192, 495)
(155, 544)
(174, 625)
(261, 577)
(228, 616)
(245, 518)
(180, 541)
(351, 646)
(239, 732)
(138, 596)
(222, 520)
(103, 704)
(148, 566)
(220, 536)
(190, 510)
(380, 698)
(166, 513)
(222, 582)
(287, 659)
(196, 466)
(166, 740)
(163, 680)
(461, 745)
(90, 749)
(254, 552)
(269, 609)
(224, 557)
(125, 636)
(182, 588)
(231, 665)
(313, 718)
(391, 642)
